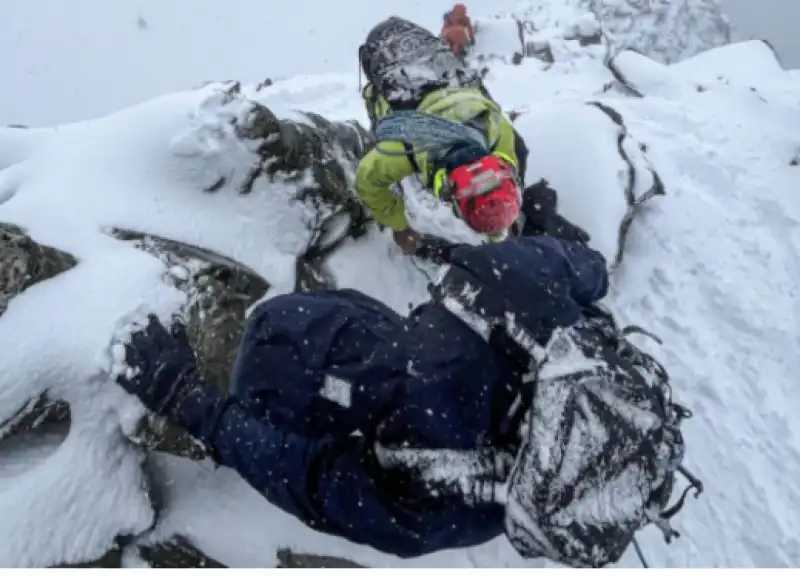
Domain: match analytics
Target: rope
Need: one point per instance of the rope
(421, 269)
(425, 133)
(639, 553)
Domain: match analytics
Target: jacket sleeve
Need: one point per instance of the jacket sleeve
(504, 141)
(586, 270)
(325, 483)
(545, 279)
(375, 175)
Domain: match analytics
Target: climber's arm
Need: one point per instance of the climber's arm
(376, 173)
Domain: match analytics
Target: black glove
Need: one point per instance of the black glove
(437, 250)
(164, 364)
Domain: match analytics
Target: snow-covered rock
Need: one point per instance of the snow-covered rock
(601, 173)
(196, 203)
(18, 142)
(202, 164)
(666, 31)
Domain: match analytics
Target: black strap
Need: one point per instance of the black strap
(411, 158)
(371, 101)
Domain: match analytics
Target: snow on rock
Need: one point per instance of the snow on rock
(664, 30)
(496, 38)
(736, 68)
(750, 62)
(601, 174)
(509, 39)
(643, 76)
(713, 269)
(19, 142)
(192, 204)
(171, 206)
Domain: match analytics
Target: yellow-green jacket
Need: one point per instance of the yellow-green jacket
(377, 172)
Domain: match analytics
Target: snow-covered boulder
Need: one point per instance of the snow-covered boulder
(744, 67)
(207, 202)
(601, 173)
(18, 142)
(665, 30)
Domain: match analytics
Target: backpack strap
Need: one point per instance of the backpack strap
(370, 96)
(411, 158)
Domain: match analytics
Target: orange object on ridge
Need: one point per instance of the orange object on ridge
(457, 38)
(457, 30)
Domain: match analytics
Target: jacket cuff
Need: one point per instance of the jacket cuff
(200, 411)
(397, 221)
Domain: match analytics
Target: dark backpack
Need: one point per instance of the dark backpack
(600, 448)
(405, 62)
(600, 438)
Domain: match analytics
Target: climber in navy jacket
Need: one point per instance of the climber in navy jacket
(349, 416)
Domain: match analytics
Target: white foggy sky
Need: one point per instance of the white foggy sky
(69, 60)
(775, 20)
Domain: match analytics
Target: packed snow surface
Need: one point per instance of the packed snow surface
(713, 267)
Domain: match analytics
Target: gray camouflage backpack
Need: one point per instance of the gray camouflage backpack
(600, 446)
(404, 62)
(599, 441)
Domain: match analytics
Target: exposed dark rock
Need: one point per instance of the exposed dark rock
(623, 84)
(177, 553)
(539, 50)
(265, 84)
(634, 202)
(774, 52)
(589, 39)
(219, 292)
(321, 157)
(24, 262)
(36, 412)
(289, 559)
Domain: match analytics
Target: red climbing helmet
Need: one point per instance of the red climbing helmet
(485, 194)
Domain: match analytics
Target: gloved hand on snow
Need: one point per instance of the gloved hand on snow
(408, 240)
(163, 364)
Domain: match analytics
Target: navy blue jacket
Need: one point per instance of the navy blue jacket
(427, 380)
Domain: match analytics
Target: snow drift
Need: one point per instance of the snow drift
(204, 202)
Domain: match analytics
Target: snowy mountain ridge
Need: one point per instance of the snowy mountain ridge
(664, 30)
(712, 267)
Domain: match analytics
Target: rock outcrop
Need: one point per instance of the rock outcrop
(665, 30)
(317, 155)
(23, 264)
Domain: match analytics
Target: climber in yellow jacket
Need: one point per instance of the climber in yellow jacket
(446, 131)
(480, 181)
